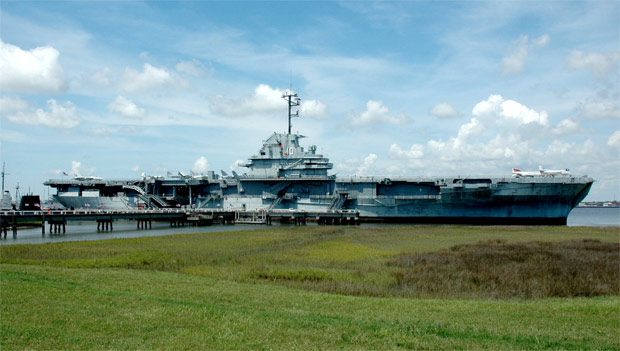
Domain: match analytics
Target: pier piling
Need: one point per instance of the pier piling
(105, 225)
(142, 224)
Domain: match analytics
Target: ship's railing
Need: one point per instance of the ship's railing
(409, 197)
(450, 179)
(557, 179)
(90, 212)
(160, 211)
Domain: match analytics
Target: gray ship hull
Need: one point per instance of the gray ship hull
(494, 201)
(98, 202)
(533, 202)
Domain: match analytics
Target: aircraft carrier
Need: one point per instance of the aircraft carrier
(284, 175)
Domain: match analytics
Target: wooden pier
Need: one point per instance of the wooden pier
(58, 219)
(297, 217)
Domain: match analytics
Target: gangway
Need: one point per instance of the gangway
(135, 188)
(337, 202)
(151, 200)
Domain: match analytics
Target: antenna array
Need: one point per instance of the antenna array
(293, 100)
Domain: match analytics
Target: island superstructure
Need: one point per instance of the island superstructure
(6, 202)
(284, 175)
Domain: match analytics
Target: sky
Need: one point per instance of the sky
(117, 89)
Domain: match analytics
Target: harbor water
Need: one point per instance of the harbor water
(86, 231)
(594, 217)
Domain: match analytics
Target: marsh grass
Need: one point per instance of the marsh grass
(359, 261)
(298, 275)
(498, 269)
(287, 288)
(55, 308)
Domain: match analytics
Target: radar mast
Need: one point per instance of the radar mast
(3, 174)
(292, 100)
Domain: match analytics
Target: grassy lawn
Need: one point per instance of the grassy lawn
(286, 288)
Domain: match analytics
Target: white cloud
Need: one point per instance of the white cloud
(368, 162)
(488, 107)
(101, 77)
(57, 116)
(126, 107)
(193, 67)
(10, 105)
(474, 127)
(376, 113)
(509, 110)
(135, 169)
(102, 131)
(150, 77)
(558, 147)
(567, 126)
(542, 40)
(313, 108)
(614, 139)
(78, 170)
(415, 152)
(444, 110)
(498, 138)
(201, 165)
(560, 152)
(263, 99)
(600, 65)
(356, 165)
(495, 156)
(515, 62)
(33, 71)
(599, 109)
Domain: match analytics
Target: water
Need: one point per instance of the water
(85, 231)
(594, 217)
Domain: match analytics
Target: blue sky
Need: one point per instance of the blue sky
(116, 89)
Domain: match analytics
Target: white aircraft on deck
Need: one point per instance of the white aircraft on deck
(79, 177)
(540, 173)
(519, 173)
(553, 172)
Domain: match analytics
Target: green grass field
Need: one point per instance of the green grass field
(292, 288)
